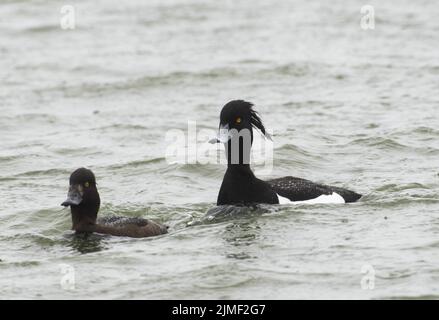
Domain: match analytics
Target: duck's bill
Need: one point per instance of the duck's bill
(223, 135)
(74, 197)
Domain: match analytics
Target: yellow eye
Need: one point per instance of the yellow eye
(238, 120)
(86, 184)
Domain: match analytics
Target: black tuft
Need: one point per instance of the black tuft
(257, 122)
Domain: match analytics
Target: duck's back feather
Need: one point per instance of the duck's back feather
(297, 189)
(117, 221)
(129, 227)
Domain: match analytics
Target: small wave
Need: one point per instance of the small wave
(207, 170)
(29, 239)
(222, 282)
(179, 76)
(21, 264)
(159, 80)
(192, 171)
(39, 173)
(253, 61)
(136, 163)
(221, 213)
(402, 201)
(399, 274)
(418, 297)
(400, 187)
(121, 126)
(380, 143)
(292, 69)
(81, 151)
(26, 117)
(303, 104)
(291, 149)
(428, 245)
(426, 131)
(9, 158)
(42, 28)
(85, 243)
(296, 157)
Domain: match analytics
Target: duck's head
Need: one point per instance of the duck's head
(83, 198)
(237, 120)
(238, 116)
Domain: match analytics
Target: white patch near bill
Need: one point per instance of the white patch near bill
(323, 199)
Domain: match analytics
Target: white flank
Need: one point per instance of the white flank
(323, 199)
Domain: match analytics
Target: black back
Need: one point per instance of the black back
(297, 189)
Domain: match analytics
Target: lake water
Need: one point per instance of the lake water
(351, 107)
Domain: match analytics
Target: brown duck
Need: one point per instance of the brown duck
(84, 201)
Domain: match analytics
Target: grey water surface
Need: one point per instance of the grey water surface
(351, 107)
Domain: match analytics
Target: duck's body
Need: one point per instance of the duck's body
(129, 227)
(84, 201)
(241, 187)
(122, 227)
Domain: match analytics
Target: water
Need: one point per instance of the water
(349, 107)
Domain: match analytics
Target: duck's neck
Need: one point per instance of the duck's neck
(84, 217)
(241, 187)
(238, 153)
(240, 168)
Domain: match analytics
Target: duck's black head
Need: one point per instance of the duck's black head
(237, 120)
(238, 115)
(83, 198)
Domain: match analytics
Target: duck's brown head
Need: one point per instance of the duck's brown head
(83, 199)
